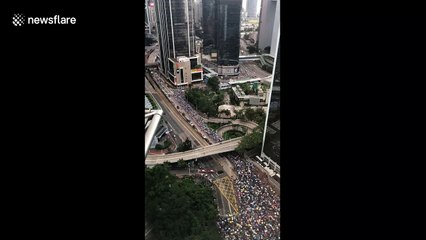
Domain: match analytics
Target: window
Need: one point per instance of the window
(193, 63)
(196, 76)
(182, 80)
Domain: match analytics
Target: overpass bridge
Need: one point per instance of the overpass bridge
(242, 126)
(249, 57)
(266, 80)
(221, 147)
(151, 65)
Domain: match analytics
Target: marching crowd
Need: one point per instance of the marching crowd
(259, 208)
(178, 98)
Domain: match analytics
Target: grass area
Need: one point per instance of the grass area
(232, 134)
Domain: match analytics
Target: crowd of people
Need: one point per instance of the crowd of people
(259, 207)
(194, 116)
(177, 96)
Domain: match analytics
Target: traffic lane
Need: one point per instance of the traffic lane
(177, 118)
(175, 127)
(196, 127)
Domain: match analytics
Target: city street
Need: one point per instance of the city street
(170, 115)
(251, 69)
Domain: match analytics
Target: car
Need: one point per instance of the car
(211, 171)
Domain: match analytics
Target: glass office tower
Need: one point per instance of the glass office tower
(175, 31)
(209, 26)
(271, 140)
(228, 31)
(221, 33)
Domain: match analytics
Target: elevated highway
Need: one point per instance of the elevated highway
(245, 127)
(266, 80)
(249, 57)
(221, 147)
(151, 65)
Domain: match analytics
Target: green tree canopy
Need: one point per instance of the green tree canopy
(213, 83)
(179, 208)
(185, 146)
(251, 49)
(251, 140)
(205, 101)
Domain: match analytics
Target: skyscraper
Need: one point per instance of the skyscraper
(149, 16)
(209, 26)
(271, 138)
(269, 22)
(179, 61)
(251, 9)
(221, 33)
(198, 12)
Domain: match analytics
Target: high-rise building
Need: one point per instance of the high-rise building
(221, 33)
(209, 26)
(149, 16)
(198, 12)
(271, 138)
(179, 61)
(269, 23)
(251, 9)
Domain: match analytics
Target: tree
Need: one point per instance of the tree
(249, 114)
(205, 101)
(250, 141)
(239, 114)
(213, 83)
(185, 146)
(179, 208)
(226, 112)
(267, 49)
(181, 163)
(167, 164)
(251, 49)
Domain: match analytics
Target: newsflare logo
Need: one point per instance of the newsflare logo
(19, 19)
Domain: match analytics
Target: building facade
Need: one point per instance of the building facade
(221, 34)
(176, 37)
(209, 26)
(251, 9)
(271, 146)
(269, 23)
(228, 36)
(187, 70)
(149, 17)
(198, 13)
